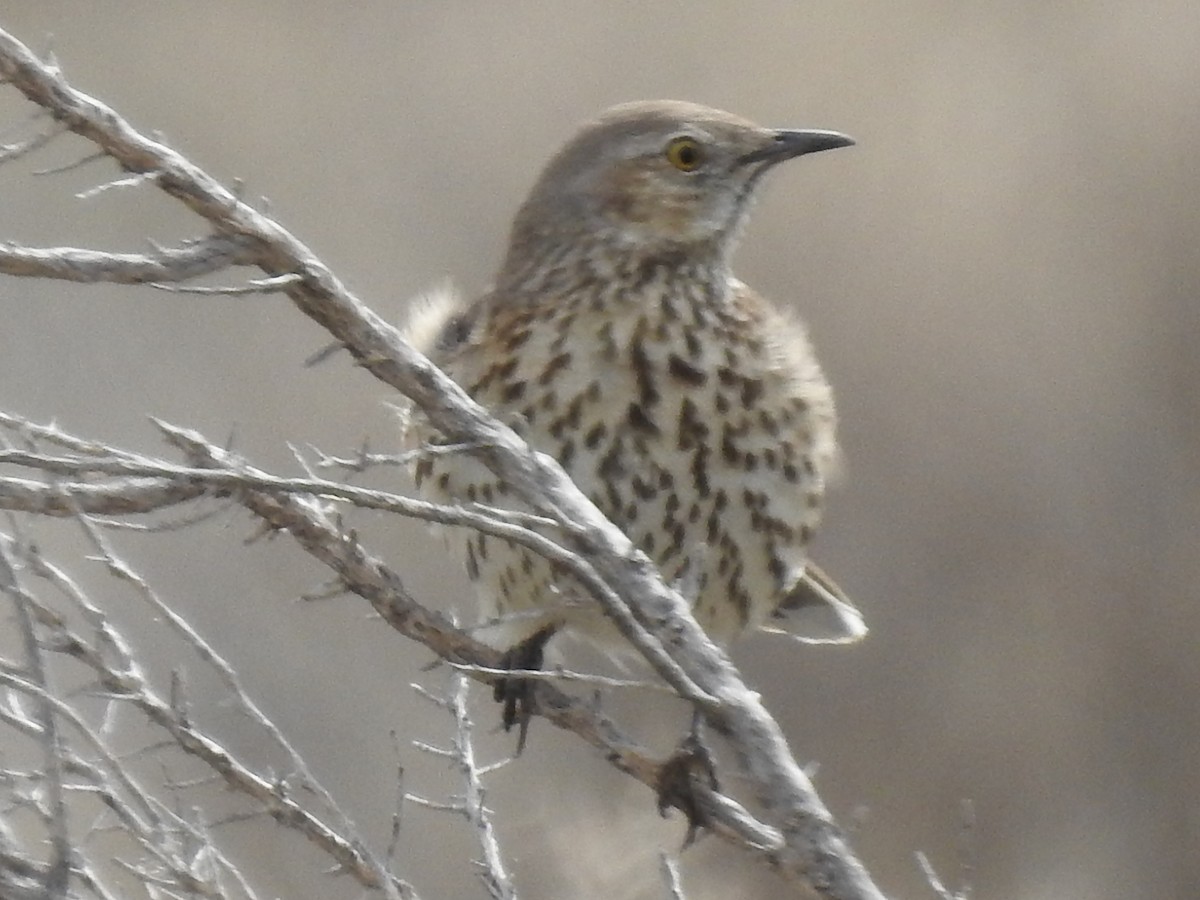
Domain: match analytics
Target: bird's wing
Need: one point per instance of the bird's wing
(817, 611)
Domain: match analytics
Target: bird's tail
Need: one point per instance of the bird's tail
(817, 611)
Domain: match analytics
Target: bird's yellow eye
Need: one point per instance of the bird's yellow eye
(685, 154)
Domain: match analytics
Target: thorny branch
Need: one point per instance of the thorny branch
(99, 770)
(801, 840)
(291, 507)
(470, 804)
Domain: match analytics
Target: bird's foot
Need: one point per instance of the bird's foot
(516, 693)
(691, 762)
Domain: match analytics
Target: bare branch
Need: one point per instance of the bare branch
(120, 497)
(59, 870)
(31, 433)
(931, 875)
(255, 286)
(151, 820)
(365, 459)
(966, 852)
(202, 256)
(370, 579)
(470, 804)
(566, 675)
(127, 181)
(165, 482)
(670, 870)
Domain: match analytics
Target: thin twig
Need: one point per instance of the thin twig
(135, 180)
(85, 160)
(566, 675)
(9, 152)
(365, 459)
(254, 286)
(670, 870)
(147, 825)
(58, 873)
(228, 675)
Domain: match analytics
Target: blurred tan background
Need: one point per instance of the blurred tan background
(1001, 280)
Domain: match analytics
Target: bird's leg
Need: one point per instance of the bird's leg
(516, 693)
(692, 759)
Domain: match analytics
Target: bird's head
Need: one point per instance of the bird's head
(657, 176)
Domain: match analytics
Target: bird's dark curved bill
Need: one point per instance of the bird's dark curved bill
(790, 143)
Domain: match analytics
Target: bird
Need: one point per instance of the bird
(690, 409)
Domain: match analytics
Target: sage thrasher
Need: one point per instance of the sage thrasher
(687, 407)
